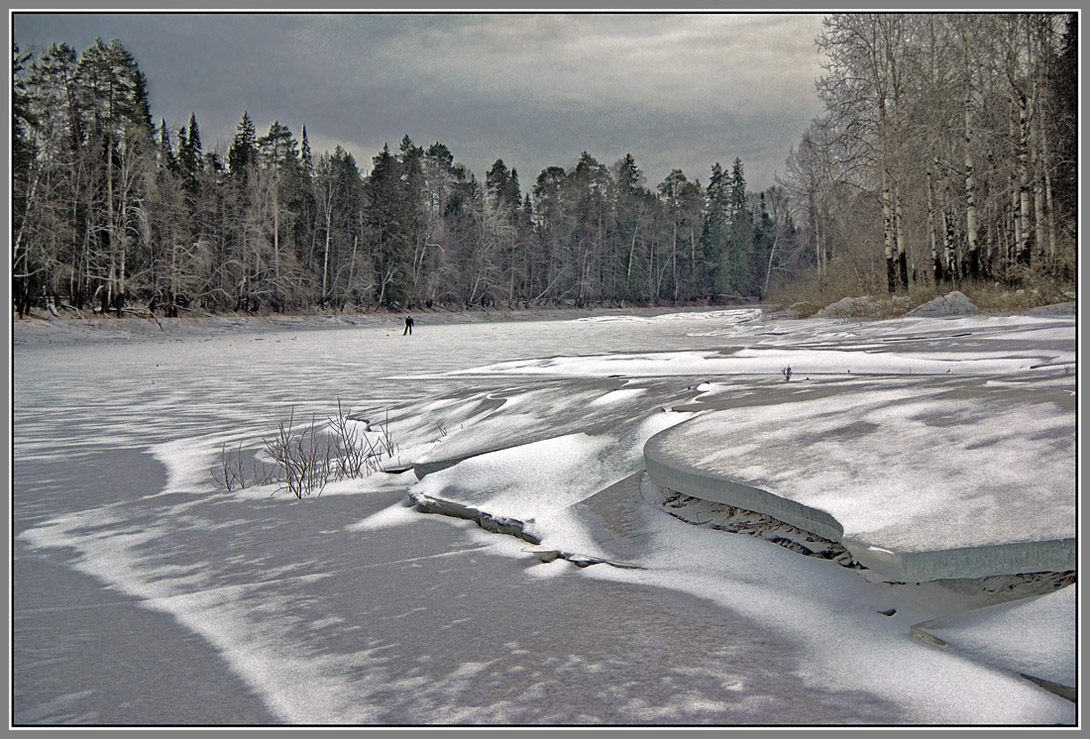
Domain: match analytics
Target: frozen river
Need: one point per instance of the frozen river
(143, 594)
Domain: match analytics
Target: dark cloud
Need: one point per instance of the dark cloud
(676, 90)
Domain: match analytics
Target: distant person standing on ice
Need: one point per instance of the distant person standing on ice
(408, 326)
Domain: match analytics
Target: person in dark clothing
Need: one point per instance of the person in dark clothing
(408, 326)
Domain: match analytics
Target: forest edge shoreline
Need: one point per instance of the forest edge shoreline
(141, 322)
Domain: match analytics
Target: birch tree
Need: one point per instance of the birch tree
(862, 89)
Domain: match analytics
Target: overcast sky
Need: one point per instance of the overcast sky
(676, 91)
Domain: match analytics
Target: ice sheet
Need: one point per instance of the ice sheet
(353, 608)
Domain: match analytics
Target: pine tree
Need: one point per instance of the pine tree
(634, 206)
(589, 191)
(279, 158)
(453, 223)
(683, 200)
(338, 186)
(113, 99)
(412, 196)
(503, 221)
(671, 191)
(552, 223)
(114, 92)
(503, 189)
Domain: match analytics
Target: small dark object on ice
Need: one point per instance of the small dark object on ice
(890, 612)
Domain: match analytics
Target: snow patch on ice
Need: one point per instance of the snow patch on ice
(618, 396)
(1034, 636)
(296, 686)
(188, 461)
(522, 482)
(771, 361)
(397, 514)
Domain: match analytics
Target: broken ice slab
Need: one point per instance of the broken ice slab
(917, 485)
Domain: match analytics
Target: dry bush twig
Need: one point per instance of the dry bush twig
(306, 459)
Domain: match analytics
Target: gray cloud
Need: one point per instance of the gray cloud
(676, 90)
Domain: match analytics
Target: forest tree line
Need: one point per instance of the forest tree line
(115, 212)
(947, 152)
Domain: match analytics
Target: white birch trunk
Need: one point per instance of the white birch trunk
(970, 196)
(932, 235)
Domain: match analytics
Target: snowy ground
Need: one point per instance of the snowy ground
(354, 607)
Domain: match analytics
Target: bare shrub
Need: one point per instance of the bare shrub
(358, 454)
(304, 459)
(810, 291)
(1030, 291)
(230, 474)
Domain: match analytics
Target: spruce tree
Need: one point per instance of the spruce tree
(305, 157)
(713, 237)
(166, 151)
(627, 174)
(739, 256)
(391, 239)
(243, 151)
(190, 157)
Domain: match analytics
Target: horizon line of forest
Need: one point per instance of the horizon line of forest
(947, 153)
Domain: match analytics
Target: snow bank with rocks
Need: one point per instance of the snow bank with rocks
(864, 307)
(955, 303)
